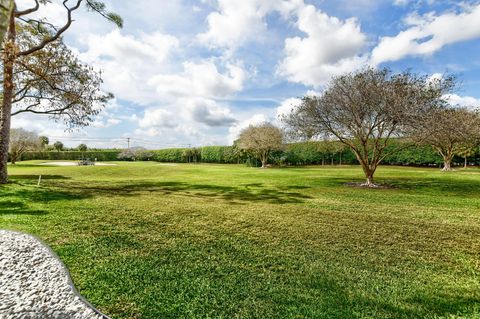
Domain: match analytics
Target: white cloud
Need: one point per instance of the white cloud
(234, 24)
(236, 129)
(331, 47)
(201, 79)
(210, 113)
(401, 3)
(127, 62)
(287, 106)
(101, 122)
(238, 22)
(157, 118)
(466, 101)
(429, 33)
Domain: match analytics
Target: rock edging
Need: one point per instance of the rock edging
(35, 283)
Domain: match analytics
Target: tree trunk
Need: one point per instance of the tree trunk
(447, 164)
(332, 159)
(340, 160)
(466, 163)
(369, 182)
(369, 172)
(8, 91)
(14, 157)
(264, 164)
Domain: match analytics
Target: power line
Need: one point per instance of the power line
(117, 140)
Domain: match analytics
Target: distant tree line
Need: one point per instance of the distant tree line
(299, 153)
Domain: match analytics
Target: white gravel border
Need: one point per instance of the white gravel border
(35, 284)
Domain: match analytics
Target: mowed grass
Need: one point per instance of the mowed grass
(144, 240)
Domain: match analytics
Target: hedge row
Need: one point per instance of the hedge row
(305, 153)
(105, 155)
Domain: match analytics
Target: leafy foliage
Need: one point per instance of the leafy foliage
(261, 140)
(366, 109)
(54, 82)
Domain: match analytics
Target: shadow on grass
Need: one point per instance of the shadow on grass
(18, 194)
(14, 178)
(456, 186)
(18, 208)
(451, 186)
(247, 192)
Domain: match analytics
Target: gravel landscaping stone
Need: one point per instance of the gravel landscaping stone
(35, 284)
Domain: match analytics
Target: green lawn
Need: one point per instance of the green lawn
(144, 240)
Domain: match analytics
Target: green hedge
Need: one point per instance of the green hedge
(174, 155)
(304, 153)
(110, 155)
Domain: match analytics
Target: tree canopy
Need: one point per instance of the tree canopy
(260, 140)
(366, 109)
(22, 141)
(451, 131)
(39, 73)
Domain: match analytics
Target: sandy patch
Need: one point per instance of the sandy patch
(74, 164)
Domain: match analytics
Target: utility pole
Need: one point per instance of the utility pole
(128, 142)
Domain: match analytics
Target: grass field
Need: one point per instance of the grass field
(144, 240)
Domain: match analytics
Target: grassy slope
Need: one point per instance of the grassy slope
(224, 241)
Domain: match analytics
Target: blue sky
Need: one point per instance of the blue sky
(196, 73)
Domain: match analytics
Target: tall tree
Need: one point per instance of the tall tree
(450, 131)
(58, 146)
(82, 147)
(18, 55)
(366, 109)
(22, 141)
(260, 140)
(44, 141)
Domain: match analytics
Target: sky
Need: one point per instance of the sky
(194, 73)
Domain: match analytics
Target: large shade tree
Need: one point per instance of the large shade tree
(451, 131)
(365, 110)
(260, 140)
(41, 76)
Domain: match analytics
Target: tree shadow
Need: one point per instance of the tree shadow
(248, 192)
(452, 187)
(18, 208)
(35, 177)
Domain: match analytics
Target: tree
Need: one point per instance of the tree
(450, 131)
(82, 147)
(21, 141)
(134, 153)
(43, 141)
(339, 148)
(260, 140)
(366, 109)
(58, 146)
(31, 45)
(465, 151)
(6, 7)
(191, 155)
